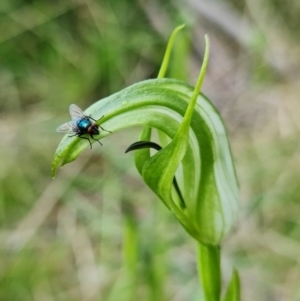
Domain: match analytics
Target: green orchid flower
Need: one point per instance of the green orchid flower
(195, 157)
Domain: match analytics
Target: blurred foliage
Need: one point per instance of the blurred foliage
(63, 239)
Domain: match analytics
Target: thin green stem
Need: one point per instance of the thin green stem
(209, 271)
(130, 253)
(156, 263)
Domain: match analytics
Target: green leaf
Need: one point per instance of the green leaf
(233, 292)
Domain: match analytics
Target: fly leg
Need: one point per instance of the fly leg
(95, 140)
(73, 135)
(100, 125)
(104, 129)
(86, 139)
(93, 118)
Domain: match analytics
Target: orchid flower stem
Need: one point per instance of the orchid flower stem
(209, 271)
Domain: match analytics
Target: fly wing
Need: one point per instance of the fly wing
(76, 113)
(68, 127)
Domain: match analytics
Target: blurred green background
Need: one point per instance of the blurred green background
(97, 232)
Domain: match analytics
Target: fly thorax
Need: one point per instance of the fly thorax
(83, 125)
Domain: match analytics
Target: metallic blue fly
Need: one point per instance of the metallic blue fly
(80, 125)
